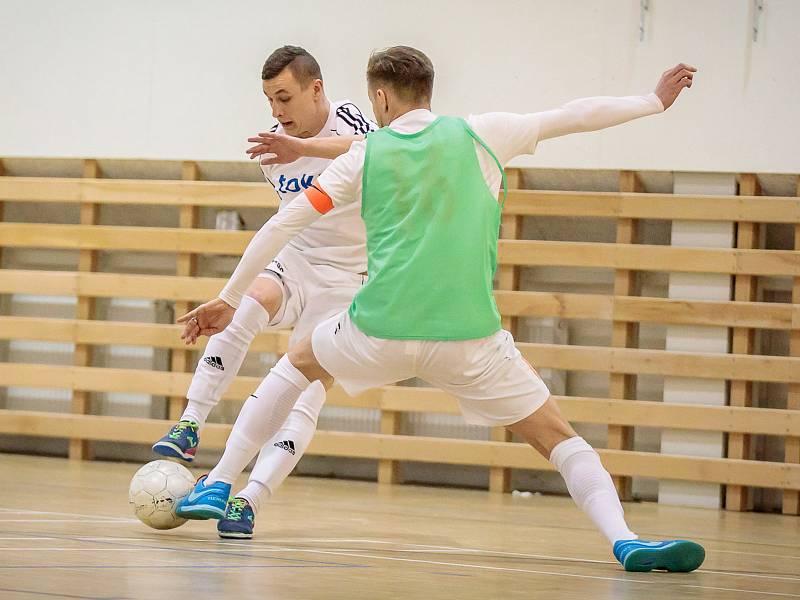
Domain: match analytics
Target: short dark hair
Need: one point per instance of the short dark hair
(304, 67)
(406, 70)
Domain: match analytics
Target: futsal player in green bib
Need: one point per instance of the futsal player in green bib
(428, 187)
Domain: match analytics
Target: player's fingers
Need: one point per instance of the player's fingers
(188, 329)
(192, 314)
(680, 67)
(254, 149)
(271, 161)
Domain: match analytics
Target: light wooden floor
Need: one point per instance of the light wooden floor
(66, 531)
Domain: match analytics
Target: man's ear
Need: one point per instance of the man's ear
(382, 98)
(319, 88)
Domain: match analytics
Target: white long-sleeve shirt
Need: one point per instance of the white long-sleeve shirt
(507, 134)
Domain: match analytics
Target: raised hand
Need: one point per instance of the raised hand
(207, 319)
(672, 82)
(285, 148)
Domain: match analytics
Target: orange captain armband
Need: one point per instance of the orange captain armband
(319, 199)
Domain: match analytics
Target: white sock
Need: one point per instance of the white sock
(260, 418)
(283, 451)
(222, 360)
(591, 487)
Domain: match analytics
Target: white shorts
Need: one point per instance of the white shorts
(493, 383)
(311, 293)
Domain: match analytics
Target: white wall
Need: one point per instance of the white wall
(181, 79)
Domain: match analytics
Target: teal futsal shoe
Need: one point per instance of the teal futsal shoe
(180, 442)
(679, 556)
(205, 501)
(238, 522)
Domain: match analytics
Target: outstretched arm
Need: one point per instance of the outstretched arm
(287, 149)
(214, 316)
(591, 114)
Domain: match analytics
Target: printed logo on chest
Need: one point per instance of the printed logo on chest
(294, 185)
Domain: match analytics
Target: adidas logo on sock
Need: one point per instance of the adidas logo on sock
(288, 445)
(214, 361)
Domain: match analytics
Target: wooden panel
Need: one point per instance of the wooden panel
(764, 315)
(134, 191)
(180, 360)
(109, 237)
(661, 362)
(507, 280)
(653, 206)
(605, 411)
(737, 498)
(791, 499)
(649, 258)
(520, 202)
(624, 334)
(101, 333)
(570, 358)
(80, 449)
(389, 470)
(109, 285)
(2, 204)
(511, 252)
(422, 449)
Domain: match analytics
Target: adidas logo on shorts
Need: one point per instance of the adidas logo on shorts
(214, 361)
(288, 445)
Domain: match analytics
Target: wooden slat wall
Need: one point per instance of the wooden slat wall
(85, 309)
(791, 498)
(507, 280)
(180, 360)
(743, 342)
(621, 412)
(624, 334)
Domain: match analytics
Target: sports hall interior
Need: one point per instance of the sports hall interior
(650, 273)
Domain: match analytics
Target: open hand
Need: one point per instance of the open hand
(207, 319)
(285, 148)
(673, 81)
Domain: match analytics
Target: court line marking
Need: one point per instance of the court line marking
(279, 549)
(56, 595)
(116, 543)
(87, 520)
(422, 550)
(538, 572)
(22, 511)
(122, 520)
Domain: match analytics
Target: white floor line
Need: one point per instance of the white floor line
(431, 547)
(538, 572)
(106, 521)
(757, 554)
(23, 511)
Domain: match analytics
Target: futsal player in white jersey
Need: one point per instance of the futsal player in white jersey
(428, 187)
(313, 278)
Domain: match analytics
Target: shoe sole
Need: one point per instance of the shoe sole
(236, 535)
(200, 512)
(678, 557)
(172, 451)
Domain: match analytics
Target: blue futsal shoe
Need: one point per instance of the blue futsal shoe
(204, 501)
(180, 442)
(680, 556)
(239, 520)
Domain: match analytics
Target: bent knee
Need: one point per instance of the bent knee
(268, 293)
(302, 358)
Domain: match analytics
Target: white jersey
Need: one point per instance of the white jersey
(337, 239)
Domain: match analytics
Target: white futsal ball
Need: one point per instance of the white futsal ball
(155, 491)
